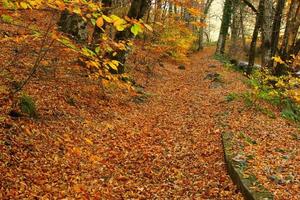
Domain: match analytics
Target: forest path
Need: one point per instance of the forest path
(168, 147)
(175, 147)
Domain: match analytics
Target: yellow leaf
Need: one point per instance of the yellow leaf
(148, 27)
(88, 141)
(23, 5)
(277, 59)
(107, 19)
(100, 22)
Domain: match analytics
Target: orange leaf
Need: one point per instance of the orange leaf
(100, 22)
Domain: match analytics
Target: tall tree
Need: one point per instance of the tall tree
(276, 29)
(235, 27)
(258, 23)
(266, 32)
(137, 11)
(290, 44)
(206, 7)
(227, 12)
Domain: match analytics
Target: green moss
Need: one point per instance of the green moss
(28, 106)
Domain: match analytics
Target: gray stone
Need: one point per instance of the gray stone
(212, 76)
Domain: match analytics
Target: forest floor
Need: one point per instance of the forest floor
(163, 144)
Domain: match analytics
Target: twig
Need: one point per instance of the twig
(41, 54)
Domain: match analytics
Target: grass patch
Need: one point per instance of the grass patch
(231, 97)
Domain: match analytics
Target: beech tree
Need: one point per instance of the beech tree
(227, 13)
(206, 6)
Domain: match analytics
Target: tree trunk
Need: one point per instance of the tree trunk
(73, 25)
(291, 29)
(227, 11)
(276, 29)
(137, 11)
(201, 37)
(241, 9)
(252, 50)
(290, 44)
(234, 30)
(206, 8)
(266, 32)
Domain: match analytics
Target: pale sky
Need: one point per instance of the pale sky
(215, 16)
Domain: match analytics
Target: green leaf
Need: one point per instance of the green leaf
(7, 18)
(135, 29)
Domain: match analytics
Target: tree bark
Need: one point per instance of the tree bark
(227, 11)
(137, 11)
(266, 32)
(73, 25)
(206, 8)
(234, 30)
(291, 29)
(252, 50)
(276, 29)
(290, 44)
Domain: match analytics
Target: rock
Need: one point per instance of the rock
(215, 85)
(243, 65)
(212, 76)
(181, 67)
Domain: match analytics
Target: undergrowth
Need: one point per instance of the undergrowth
(280, 91)
(177, 42)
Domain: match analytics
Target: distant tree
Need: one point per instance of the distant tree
(206, 6)
(290, 45)
(235, 27)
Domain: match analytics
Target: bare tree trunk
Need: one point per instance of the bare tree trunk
(252, 50)
(290, 44)
(227, 11)
(276, 29)
(266, 32)
(207, 6)
(241, 9)
(201, 36)
(234, 30)
(291, 29)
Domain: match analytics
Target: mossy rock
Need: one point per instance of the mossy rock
(248, 185)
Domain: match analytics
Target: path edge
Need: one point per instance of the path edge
(243, 184)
